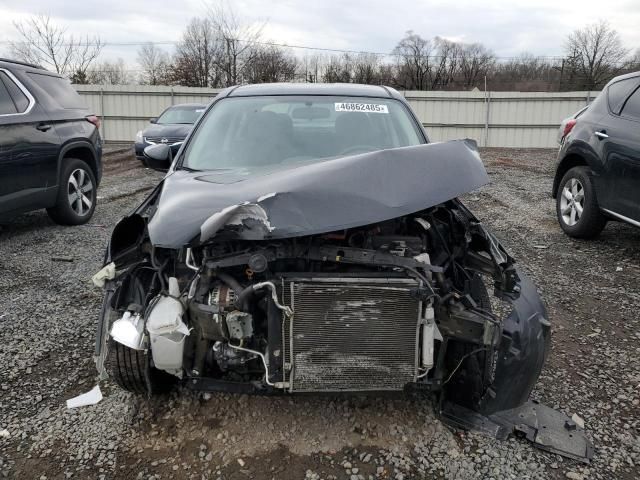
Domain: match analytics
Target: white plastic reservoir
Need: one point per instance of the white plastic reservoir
(167, 333)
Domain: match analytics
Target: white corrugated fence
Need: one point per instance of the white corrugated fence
(493, 119)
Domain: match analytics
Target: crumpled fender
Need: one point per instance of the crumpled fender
(506, 409)
(525, 343)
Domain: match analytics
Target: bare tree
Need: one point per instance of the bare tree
(595, 54)
(476, 61)
(634, 61)
(366, 68)
(155, 65)
(338, 69)
(446, 62)
(525, 72)
(310, 68)
(110, 73)
(414, 57)
(44, 43)
(271, 64)
(238, 42)
(386, 74)
(197, 55)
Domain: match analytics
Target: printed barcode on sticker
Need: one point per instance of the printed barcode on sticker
(361, 107)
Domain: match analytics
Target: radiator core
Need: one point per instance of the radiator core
(350, 334)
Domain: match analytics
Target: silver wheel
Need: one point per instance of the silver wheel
(79, 190)
(572, 202)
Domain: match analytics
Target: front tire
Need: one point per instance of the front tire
(77, 194)
(132, 370)
(577, 207)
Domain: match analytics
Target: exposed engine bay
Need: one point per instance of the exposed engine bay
(372, 308)
(400, 304)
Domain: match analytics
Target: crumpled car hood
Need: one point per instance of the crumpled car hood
(296, 199)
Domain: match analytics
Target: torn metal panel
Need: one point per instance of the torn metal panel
(248, 215)
(306, 198)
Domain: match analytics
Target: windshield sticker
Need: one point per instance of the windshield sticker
(361, 107)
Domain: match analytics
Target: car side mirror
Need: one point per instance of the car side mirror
(153, 120)
(158, 157)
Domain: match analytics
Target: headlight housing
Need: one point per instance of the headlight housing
(139, 137)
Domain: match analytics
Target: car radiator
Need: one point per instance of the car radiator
(350, 334)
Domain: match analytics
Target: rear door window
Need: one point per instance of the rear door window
(631, 108)
(7, 107)
(618, 93)
(19, 98)
(59, 90)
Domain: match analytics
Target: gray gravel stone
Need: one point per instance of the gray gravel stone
(48, 312)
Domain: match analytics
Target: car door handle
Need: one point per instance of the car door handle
(43, 127)
(601, 134)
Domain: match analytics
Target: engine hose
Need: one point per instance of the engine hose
(159, 268)
(231, 282)
(242, 298)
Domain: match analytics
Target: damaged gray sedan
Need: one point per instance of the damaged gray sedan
(308, 238)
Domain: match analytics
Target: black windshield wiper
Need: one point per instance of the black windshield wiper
(188, 169)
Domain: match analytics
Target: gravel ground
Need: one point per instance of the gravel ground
(48, 311)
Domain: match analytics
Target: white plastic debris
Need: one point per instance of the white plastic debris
(4, 433)
(92, 397)
(578, 420)
(108, 272)
(167, 332)
(618, 269)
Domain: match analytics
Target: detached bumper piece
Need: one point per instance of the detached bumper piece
(544, 427)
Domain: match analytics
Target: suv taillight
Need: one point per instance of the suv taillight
(94, 119)
(568, 127)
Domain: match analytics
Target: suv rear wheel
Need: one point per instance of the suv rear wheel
(576, 205)
(76, 194)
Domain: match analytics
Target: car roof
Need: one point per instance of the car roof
(624, 77)
(8, 63)
(338, 89)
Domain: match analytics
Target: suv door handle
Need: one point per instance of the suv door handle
(601, 134)
(43, 127)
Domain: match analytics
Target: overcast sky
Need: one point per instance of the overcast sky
(508, 27)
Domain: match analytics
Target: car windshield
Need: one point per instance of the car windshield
(268, 130)
(185, 115)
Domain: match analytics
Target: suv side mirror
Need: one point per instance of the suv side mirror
(158, 157)
(153, 120)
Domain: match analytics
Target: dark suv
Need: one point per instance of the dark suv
(598, 172)
(50, 146)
